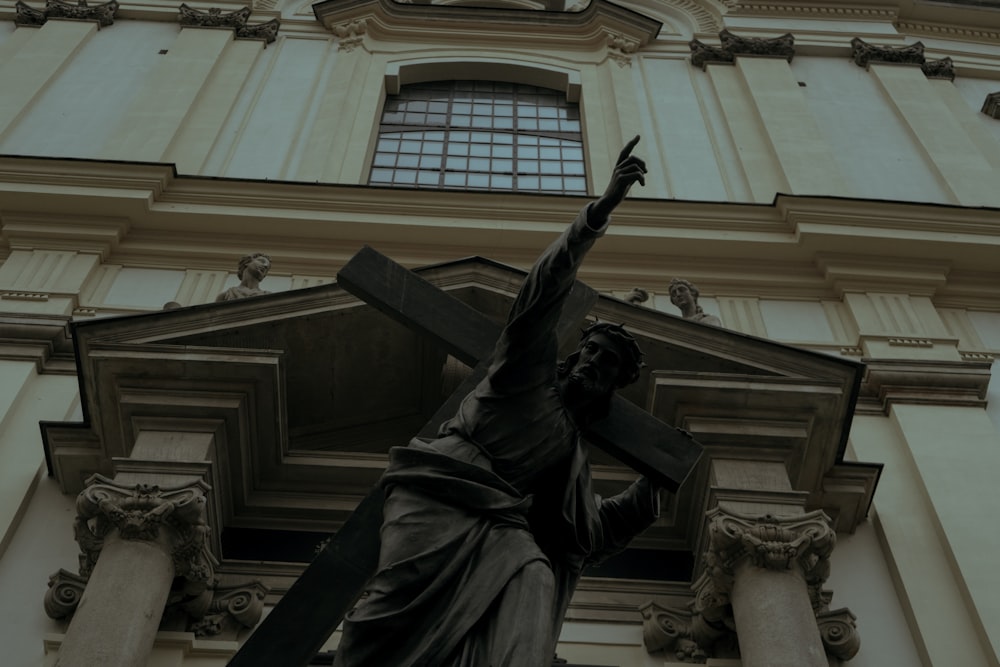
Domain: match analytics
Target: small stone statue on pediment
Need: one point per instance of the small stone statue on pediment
(252, 270)
(684, 295)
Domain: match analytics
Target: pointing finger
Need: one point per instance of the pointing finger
(628, 149)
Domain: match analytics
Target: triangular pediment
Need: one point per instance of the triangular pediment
(306, 390)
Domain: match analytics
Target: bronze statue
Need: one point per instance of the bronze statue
(252, 269)
(487, 528)
(684, 295)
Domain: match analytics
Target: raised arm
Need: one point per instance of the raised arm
(526, 353)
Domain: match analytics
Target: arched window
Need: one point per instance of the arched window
(480, 135)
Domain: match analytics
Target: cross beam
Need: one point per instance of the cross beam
(313, 607)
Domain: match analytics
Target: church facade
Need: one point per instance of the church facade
(811, 268)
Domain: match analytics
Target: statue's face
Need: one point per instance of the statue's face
(597, 368)
(258, 267)
(680, 295)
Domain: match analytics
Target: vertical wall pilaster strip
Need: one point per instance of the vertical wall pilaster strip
(335, 93)
(193, 142)
(201, 286)
(973, 121)
(593, 113)
(359, 92)
(742, 314)
(805, 156)
(36, 63)
(756, 155)
(963, 170)
(160, 108)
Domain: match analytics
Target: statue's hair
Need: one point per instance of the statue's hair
(245, 262)
(691, 288)
(628, 347)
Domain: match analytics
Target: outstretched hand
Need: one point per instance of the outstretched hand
(628, 169)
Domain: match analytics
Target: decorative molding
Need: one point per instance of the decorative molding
(734, 45)
(391, 20)
(103, 13)
(44, 339)
(991, 105)
(63, 596)
(237, 20)
(948, 31)
(25, 296)
(910, 342)
(837, 11)
(138, 512)
(864, 54)
(350, 35)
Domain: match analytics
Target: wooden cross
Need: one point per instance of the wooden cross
(314, 606)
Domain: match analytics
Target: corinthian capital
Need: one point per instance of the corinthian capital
(775, 543)
(143, 512)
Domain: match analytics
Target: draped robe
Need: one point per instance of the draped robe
(488, 527)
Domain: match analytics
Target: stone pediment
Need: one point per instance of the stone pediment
(305, 391)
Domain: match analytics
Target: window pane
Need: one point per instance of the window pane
(503, 115)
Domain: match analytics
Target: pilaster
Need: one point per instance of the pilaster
(803, 152)
(166, 99)
(325, 151)
(36, 63)
(200, 128)
(902, 74)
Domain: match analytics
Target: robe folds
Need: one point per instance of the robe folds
(488, 527)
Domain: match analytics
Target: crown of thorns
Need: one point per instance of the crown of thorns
(627, 345)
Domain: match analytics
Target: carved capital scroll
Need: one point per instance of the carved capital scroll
(103, 13)
(839, 633)
(228, 609)
(140, 512)
(991, 105)
(733, 45)
(237, 20)
(63, 596)
(669, 630)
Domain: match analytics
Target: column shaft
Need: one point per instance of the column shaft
(118, 616)
(774, 618)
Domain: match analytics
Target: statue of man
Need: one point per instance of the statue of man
(487, 527)
(684, 295)
(252, 269)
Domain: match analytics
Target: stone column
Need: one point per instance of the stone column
(770, 571)
(135, 540)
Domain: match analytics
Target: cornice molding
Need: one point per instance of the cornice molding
(396, 21)
(917, 382)
(44, 339)
(162, 220)
(865, 54)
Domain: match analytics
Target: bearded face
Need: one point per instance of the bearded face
(596, 371)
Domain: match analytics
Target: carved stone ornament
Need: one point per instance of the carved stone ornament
(864, 53)
(63, 596)
(991, 105)
(350, 35)
(237, 20)
(621, 48)
(942, 68)
(775, 543)
(139, 512)
(839, 633)
(103, 13)
(734, 45)
(225, 610)
(669, 630)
